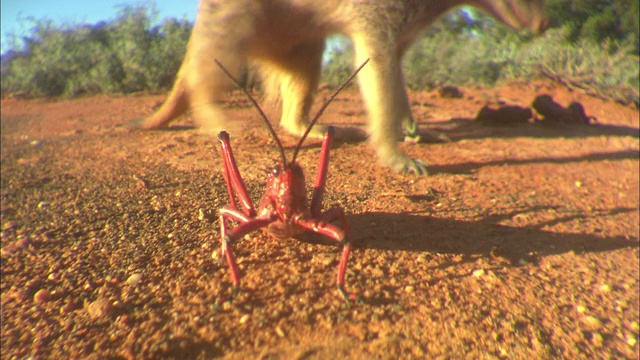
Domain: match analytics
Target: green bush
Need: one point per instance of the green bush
(122, 56)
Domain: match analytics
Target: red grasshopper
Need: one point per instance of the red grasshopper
(284, 210)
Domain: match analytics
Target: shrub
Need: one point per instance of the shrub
(121, 56)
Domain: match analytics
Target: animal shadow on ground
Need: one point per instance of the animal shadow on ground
(469, 167)
(486, 237)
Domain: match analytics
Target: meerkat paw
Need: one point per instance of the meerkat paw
(403, 164)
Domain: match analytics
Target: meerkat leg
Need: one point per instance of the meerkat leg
(296, 77)
(207, 89)
(219, 33)
(382, 87)
(292, 80)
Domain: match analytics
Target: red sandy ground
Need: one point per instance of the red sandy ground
(521, 243)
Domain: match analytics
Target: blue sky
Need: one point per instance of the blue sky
(15, 12)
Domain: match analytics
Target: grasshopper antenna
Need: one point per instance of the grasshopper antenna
(315, 119)
(262, 114)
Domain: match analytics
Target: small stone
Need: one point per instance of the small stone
(226, 305)
(140, 182)
(134, 279)
(201, 216)
(35, 143)
(478, 272)
(592, 323)
(244, 319)
(43, 205)
(8, 225)
(279, 331)
(323, 259)
(581, 309)
(42, 296)
(631, 340)
(409, 289)
(596, 339)
(125, 320)
(99, 309)
(522, 262)
(68, 307)
(605, 288)
(23, 242)
(578, 184)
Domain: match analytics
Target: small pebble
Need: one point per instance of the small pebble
(35, 142)
(43, 204)
(596, 339)
(244, 319)
(42, 296)
(409, 289)
(68, 307)
(478, 272)
(581, 309)
(578, 184)
(99, 308)
(631, 340)
(592, 323)
(134, 279)
(23, 242)
(8, 225)
(605, 288)
(279, 331)
(323, 259)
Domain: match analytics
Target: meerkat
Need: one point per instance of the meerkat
(286, 39)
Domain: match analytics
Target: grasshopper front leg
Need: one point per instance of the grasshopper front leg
(233, 178)
(320, 223)
(227, 238)
(246, 217)
(322, 226)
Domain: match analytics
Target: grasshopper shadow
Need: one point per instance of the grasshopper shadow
(422, 233)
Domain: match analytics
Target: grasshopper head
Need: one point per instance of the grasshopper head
(287, 190)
